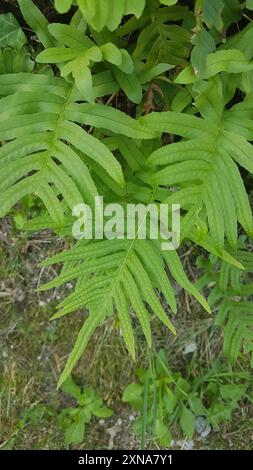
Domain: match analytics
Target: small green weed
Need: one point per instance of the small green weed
(164, 398)
(72, 420)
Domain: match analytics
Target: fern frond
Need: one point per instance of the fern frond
(48, 153)
(107, 13)
(12, 61)
(119, 275)
(233, 295)
(206, 163)
(238, 330)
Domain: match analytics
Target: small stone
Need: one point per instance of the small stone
(188, 445)
(184, 445)
(190, 348)
(206, 432)
(202, 428)
(200, 424)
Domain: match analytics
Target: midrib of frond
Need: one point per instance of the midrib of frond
(49, 152)
(212, 169)
(105, 302)
(215, 157)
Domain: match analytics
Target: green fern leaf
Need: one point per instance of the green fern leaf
(206, 161)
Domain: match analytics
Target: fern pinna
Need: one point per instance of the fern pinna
(231, 299)
(185, 139)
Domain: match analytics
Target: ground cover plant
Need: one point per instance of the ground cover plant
(138, 102)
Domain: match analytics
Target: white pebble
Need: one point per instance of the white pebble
(190, 348)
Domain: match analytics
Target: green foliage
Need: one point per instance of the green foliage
(171, 400)
(76, 122)
(30, 418)
(79, 54)
(249, 4)
(204, 44)
(113, 275)
(74, 419)
(105, 13)
(12, 61)
(108, 13)
(222, 391)
(11, 33)
(231, 295)
(203, 165)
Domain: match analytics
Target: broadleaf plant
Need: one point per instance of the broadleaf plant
(140, 102)
(73, 420)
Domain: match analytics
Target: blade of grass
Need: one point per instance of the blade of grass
(144, 412)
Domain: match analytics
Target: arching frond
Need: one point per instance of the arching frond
(232, 293)
(46, 151)
(115, 275)
(204, 166)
